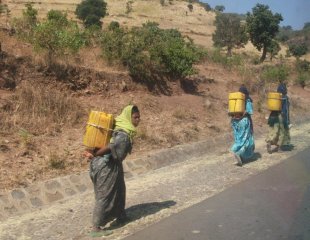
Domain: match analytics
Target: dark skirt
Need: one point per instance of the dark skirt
(107, 176)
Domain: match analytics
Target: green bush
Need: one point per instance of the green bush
(298, 49)
(150, 52)
(91, 11)
(228, 62)
(275, 73)
(57, 36)
(302, 65)
(113, 26)
(25, 25)
(112, 43)
(303, 69)
(58, 16)
(303, 79)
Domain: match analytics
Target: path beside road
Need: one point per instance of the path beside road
(151, 197)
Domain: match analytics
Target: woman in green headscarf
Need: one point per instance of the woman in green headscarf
(106, 170)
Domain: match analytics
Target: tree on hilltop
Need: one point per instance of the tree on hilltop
(91, 11)
(229, 32)
(219, 8)
(262, 26)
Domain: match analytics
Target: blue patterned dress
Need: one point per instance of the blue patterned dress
(243, 135)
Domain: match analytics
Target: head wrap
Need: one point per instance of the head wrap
(123, 122)
(282, 89)
(245, 91)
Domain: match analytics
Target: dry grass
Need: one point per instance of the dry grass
(38, 110)
(180, 114)
(56, 161)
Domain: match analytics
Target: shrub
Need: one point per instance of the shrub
(91, 11)
(56, 161)
(114, 25)
(57, 36)
(298, 49)
(58, 16)
(275, 73)
(112, 43)
(150, 52)
(226, 61)
(302, 65)
(303, 79)
(129, 7)
(26, 138)
(25, 25)
(190, 7)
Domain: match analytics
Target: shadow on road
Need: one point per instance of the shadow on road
(254, 158)
(141, 210)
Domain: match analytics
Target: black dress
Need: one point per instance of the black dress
(107, 175)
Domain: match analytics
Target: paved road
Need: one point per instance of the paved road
(274, 204)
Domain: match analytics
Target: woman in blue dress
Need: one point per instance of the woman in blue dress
(242, 125)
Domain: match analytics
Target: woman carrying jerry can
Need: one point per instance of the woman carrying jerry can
(106, 170)
(242, 125)
(279, 122)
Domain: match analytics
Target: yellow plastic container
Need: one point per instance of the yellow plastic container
(236, 102)
(98, 129)
(274, 102)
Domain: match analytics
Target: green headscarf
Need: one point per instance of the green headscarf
(123, 122)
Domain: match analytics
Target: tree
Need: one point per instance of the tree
(206, 6)
(229, 32)
(91, 11)
(262, 26)
(273, 49)
(219, 8)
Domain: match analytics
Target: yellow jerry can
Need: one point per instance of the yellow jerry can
(236, 102)
(98, 129)
(274, 102)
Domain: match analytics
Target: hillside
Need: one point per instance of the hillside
(187, 110)
(197, 24)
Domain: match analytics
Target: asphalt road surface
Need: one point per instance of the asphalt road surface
(274, 204)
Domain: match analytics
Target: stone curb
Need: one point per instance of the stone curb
(41, 194)
(38, 195)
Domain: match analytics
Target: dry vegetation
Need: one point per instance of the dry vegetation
(43, 114)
